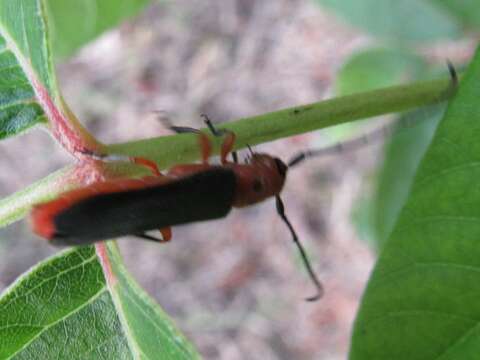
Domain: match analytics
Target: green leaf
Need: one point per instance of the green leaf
(467, 11)
(379, 67)
(150, 328)
(402, 156)
(23, 28)
(28, 88)
(421, 300)
(22, 37)
(375, 68)
(70, 31)
(65, 309)
(402, 21)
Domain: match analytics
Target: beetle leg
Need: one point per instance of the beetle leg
(227, 145)
(183, 129)
(147, 163)
(136, 160)
(205, 147)
(205, 144)
(166, 235)
(148, 237)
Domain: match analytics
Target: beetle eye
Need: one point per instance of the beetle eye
(257, 185)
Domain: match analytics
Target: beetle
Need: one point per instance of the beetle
(186, 193)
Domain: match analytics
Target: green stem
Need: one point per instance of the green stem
(168, 150)
(15, 206)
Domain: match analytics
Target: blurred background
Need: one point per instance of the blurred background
(236, 286)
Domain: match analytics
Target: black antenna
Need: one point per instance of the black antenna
(303, 253)
(375, 135)
(453, 78)
(349, 145)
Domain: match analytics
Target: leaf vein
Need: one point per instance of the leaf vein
(409, 267)
(410, 312)
(82, 264)
(25, 102)
(460, 338)
(436, 218)
(48, 326)
(421, 183)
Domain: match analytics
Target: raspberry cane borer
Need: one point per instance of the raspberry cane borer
(185, 194)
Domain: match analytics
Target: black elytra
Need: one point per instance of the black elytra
(202, 196)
